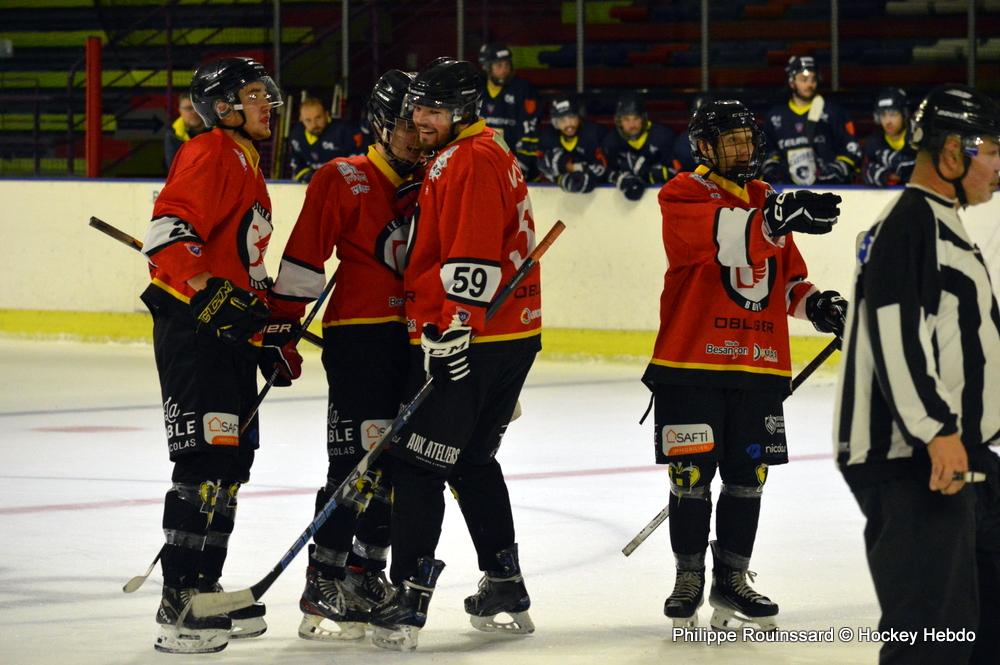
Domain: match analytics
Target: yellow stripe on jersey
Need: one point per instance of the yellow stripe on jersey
(720, 368)
(171, 290)
(486, 339)
(364, 321)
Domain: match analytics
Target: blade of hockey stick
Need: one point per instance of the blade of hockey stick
(133, 584)
(660, 518)
(136, 244)
(136, 582)
(813, 116)
(208, 604)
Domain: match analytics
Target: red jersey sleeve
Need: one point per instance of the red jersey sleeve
(301, 277)
(797, 287)
(703, 223)
(186, 211)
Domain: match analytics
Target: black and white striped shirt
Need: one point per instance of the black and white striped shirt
(922, 349)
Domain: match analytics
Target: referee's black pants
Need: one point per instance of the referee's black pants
(935, 562)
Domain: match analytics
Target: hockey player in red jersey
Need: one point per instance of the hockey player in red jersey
(359, 207)
(720, 367)
(206, 242)
(473, 230)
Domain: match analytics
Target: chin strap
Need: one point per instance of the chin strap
(963, 201)
(239, 129)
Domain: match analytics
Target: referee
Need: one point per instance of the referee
(918, 399)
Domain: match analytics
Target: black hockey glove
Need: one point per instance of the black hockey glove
(802, 211)
(659, 174)
(630, 185)
(278, 352)
(836, 172)
(828, 312)
(446, 355)
(577, 182)
(227, 311)
(771, 172)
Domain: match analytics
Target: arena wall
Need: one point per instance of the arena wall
(605, 272)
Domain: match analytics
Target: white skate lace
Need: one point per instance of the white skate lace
(687, 586)
(376, 585)
(738, 582)
(333, 593)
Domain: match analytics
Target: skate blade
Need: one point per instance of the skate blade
(520, 623)
(246, 628)
(685, 622)
(184, 640)
(398, 638)
(311, 628)
(726, 619)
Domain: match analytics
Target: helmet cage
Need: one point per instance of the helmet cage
(713, 120)
(385, 113)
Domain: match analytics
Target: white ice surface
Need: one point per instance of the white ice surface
(83, 469)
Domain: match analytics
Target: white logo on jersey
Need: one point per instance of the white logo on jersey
(351, 173)
(243, 158)
(441, 162)
(257, 236)
(525, 225)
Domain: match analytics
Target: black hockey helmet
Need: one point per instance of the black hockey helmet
(800, 64)
(490, 53)
(891, 99)
(950, 110)
(955, 110)
(447, 83)
(630, 104)
(385, 110)
(564, 105)
(222, 80)
(700, 100)
(715, 118)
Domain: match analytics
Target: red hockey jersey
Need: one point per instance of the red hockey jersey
(728, 288)
(349, 207)
(473, 230)
(212, 215)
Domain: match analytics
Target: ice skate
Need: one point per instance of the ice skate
(325, 599)
(367, 589)
(190, 635)
(736, 603)
(397, 621)
(688, 595)
(247, 621)
(501, 592)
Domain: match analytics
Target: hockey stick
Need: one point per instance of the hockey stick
(814, 364)
(133, 584)
(298, 337)
(208, 604)
(660, 518)
(136, 244)
(813, 116)
(799, 379)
